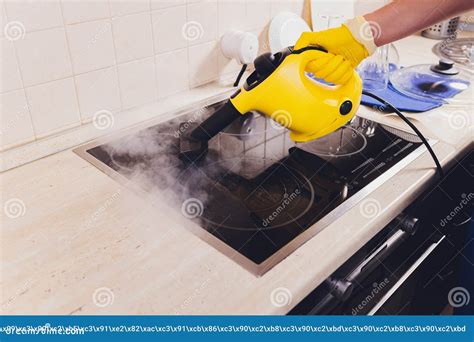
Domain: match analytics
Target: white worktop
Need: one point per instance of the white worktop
(88, 245)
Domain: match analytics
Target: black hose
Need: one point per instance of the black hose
(216, 123)
(413, 127)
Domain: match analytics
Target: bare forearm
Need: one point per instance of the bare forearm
(401, 18)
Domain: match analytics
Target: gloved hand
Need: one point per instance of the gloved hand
(347, 45)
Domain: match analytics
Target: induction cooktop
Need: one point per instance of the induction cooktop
(258, 196)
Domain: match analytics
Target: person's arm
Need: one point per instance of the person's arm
(402, 18)
(358, 38)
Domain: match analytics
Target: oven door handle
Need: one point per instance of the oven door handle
(405, 276)
(341, 288)
(361, 271)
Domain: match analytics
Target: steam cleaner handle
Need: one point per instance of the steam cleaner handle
(216, 123)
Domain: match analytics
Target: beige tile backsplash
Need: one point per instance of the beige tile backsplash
(167, 28)
(53, 106)
(43, 56)
(11, 78)
(35, 15)
(62, 61)
(97, 90)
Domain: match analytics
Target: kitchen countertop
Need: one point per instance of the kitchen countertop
(87, 245)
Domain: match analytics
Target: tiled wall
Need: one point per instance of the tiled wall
(64, 60)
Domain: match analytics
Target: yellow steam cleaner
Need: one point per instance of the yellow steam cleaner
(279, 88)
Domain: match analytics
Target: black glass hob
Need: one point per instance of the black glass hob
(257, 192)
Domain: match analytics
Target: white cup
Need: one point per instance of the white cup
(239, 45)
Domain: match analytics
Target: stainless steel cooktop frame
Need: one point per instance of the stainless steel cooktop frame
(256, 269)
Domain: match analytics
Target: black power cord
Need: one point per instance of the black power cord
(413, 127)
(241, 73)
